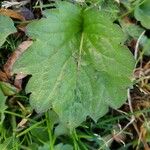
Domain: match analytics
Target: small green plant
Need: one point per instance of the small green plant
(78, 62)
(79, 67)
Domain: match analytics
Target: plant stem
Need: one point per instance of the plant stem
(49, 128)
(75, 139)
(30, 128)
(14, 132)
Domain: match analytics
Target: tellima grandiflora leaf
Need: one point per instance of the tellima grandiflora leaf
(78, 62)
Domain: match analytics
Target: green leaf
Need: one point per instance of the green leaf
(132, 30)
(40, 133)
(142, 13)
(79, 64)
(7, 144)
(146, 47)
(8, 89)
(145, 44)
(33, 146)
(63, 147)
(2, 107)
(53, 117)
(56, 147)
(44, 147)
(61, 130)
(111, 9)
(6, 28)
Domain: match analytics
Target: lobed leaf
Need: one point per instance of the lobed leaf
(79, 64)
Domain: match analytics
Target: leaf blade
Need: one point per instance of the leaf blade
(75, 68)
(6, 28)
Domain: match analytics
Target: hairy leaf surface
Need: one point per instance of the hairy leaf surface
(78, 63)
(6, 28)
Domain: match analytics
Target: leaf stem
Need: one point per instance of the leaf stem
(49, 128)
(75, 139)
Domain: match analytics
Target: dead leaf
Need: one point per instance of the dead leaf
(18, 80)
(12, 14)
(23, 122)
(144, 133)
(3, 76)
